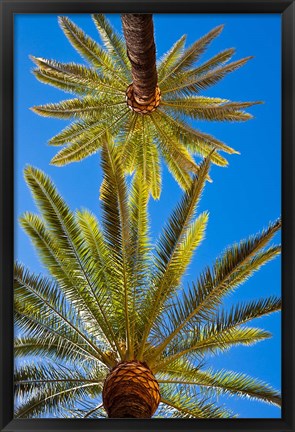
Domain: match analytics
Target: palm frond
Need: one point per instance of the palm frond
(171, 260)
(191, 84)
(146, 156)
(194, 140)
(73, 77)
(113, 42)
(176, 162)
(167, 62)
(77, 130)
(189, 404)
(90, 50)
(28, 376)
(194, 308)
(42, 316)
(113, 194)
(96, 260)
(49, 349)
(234, 267)
(191, 54)
(139, 228)
(140, 248)
(66, 232)
(209, 109)
(211, 341)
(38, 328)
(88, 107)
(59, 266)
(71, 83)
(45, 299)
(51, 400)
(179, 161)
(182, 321)
(223, 382)
(219, 59)
(88, 138)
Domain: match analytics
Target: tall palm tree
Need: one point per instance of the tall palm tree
(146, 108)
(113, 331)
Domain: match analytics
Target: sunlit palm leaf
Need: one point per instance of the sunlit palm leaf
(116, 227)
(189, 404)
(113, 43)
(171, 260)
(169, 59)
(88, 140)
(191, 54)
(90, 50)
(221, 382)
(77, 108)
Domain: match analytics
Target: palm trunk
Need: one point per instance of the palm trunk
(131, 391)
(141, 50)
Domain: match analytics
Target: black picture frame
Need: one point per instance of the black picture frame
(10, 7)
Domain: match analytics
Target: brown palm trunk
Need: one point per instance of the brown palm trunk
(131, 391)
(141, 50)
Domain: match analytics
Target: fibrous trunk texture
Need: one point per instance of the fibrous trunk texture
(131, 391)
(141, 50)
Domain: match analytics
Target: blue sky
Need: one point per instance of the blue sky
(243, 197)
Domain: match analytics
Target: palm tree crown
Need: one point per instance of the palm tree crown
(107, 100)
(112, 302)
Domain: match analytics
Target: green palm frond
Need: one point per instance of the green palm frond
(215, 61)
(139, 228)
(221, 382)
(117, 230)
(59, 267)
(65, 230)
(198, 304)
(167, 62)
(55, 316)
(191, 54)
(101, 105)
(49, 390)
(193, 82)
(183, 318)
(48, 348)
(210, 341)
(194, 140)
(72, 77)
(175, 248)
(233, 268)
(137, 149)
(209, 109)
(88, 137)
(140, 249)
(90, 50)
(176, 151)
(113, 42)
(86, 108)
(30, 375)
(190, 404)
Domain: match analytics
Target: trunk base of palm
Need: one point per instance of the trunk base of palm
(141, 108)
(131, 391)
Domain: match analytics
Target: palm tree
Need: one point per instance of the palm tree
(113, 311)
(146, 108)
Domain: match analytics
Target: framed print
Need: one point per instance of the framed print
(147, 195)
